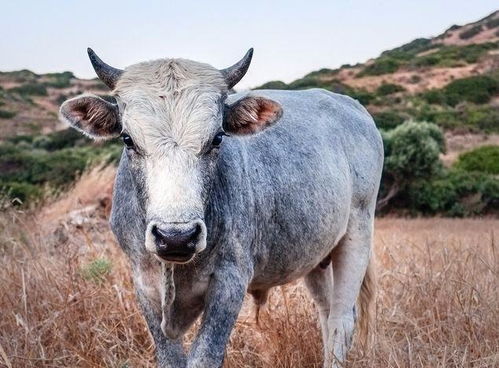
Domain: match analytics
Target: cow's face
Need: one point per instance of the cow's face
(173, 119)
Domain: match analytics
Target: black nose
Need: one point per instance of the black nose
(175, 244)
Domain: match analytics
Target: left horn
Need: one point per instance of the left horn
(106, 73)
(236, 72)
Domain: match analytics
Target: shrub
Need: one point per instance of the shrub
(450, 56)
(273, 85)
(389, 88)
(364, 97)
(473, 31)
(415, 79)
(477, 89)
(492, 23)
(59, 80)
(61, 139)
(28, 160)
(380, 66)
(21, 191)
(483, 118)
(412, 152)
(4, 114)
(455, 193)
(388, 119)
(483, 159)
(408, 51)
(30, 89)
(97, 270)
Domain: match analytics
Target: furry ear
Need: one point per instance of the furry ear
(251, 114)
(92, 116)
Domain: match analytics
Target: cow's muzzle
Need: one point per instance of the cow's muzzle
(176, 242)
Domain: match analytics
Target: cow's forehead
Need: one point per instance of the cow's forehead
(171, 103)
(169, 75)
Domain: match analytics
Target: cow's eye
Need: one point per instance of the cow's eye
(127, 140)
(217, 140)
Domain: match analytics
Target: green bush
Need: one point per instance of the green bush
(59, 80)
(273, 85)
(451, 56)
(481, 118)
(97, 270)
(409, 50)
(388, 89)
(23, 192)
(412, 150)
(364, 97)
(483, 159)
(455, 193)
(492, 23)
(477, 89)
(473, 31)
(4, 114)
(50, 162)
(387, 120)
(30, 89)
(380, 66)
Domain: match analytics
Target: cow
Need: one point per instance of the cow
(218, 195)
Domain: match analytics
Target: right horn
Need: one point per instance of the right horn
(236, 72)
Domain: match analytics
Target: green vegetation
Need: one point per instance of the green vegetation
(389, 88)
(389, 119)
(412, 153)
(29, 164)
(273, 85)
(479, 90)
(30, 89)
(492, 23)
(59, 80)
(380, 66)
(473, 31)
(4, 114)
(442, 56)
(97, 270)
(454, 193)
(415, 180)
(483, 159)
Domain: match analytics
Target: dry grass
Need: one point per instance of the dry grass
(66, 298)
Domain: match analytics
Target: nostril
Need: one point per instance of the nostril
(197, 231)
(175, 238)
(159, 234)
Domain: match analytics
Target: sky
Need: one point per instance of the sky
(290, 38)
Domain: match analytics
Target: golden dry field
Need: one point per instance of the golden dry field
(66, 298)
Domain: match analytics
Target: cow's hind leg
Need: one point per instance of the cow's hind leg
(350, 261)
(319, 283)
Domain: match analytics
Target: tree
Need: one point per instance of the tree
(412, 152)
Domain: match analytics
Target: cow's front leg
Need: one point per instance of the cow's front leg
(223, 303)
(169, 352)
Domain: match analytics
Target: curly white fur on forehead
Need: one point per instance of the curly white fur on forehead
(171, 102)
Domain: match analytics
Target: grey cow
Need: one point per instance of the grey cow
(217, 195)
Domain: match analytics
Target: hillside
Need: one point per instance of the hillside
(29, 102)
(451, 80)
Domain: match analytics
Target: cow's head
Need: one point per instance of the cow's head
(172, 117)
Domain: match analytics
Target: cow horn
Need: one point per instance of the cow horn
(236, 72)
(106, 73)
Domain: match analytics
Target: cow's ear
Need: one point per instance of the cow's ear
(250, 115)
(92, 115)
